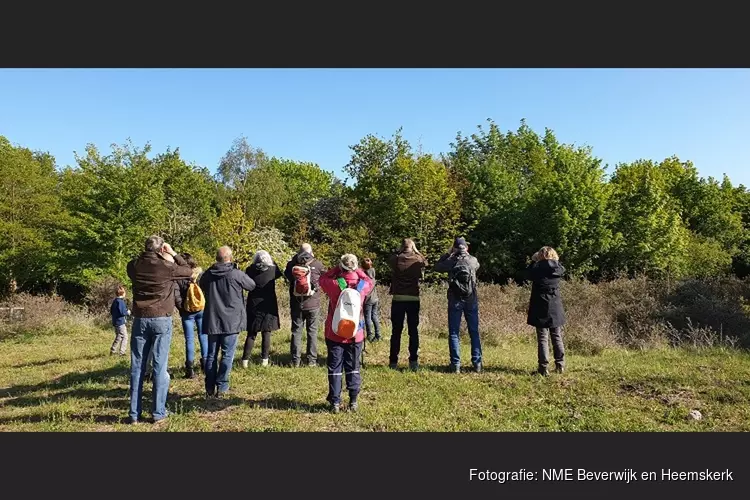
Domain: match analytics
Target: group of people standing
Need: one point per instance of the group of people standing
(213, 301)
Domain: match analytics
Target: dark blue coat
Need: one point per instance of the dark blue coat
(119, 311)
(222, 285)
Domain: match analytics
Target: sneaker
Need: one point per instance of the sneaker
(295, 364)
(542, 371)
(335, 408)
(245, 363)
(353, 406)
(264, 362)
(454, 368)
(203, 365)
(312, 364)
(478, 367)
(560, 369)
(414, 365)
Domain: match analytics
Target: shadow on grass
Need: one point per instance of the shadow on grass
(283, 403)
(58, 360)
(39, 418)
(285, 360)
(72, 387)
(469, 370)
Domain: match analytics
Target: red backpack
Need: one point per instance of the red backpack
(302, 284)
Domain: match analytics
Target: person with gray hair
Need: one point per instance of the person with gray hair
(224, 318)
(262, 306)
(462, 300)
(344, 354)
(305, 309)
(154, 275)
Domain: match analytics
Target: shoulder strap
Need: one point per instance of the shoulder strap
(342, 284)
(360, 285)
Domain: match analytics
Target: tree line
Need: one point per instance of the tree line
(508, 193)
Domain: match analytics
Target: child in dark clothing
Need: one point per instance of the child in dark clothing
(119, 311)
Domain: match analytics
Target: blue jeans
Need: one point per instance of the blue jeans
(470, 309)
(372, 320)
(217, 372)
(150, 336)
(188, 323)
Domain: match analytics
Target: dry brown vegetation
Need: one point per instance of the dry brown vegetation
(633, 313)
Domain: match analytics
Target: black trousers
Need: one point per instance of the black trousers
(250, 343)
(343, 362)
(399, 311)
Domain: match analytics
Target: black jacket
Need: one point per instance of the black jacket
(222, 285)
(262, 305)
(313, 301)
(545, 305)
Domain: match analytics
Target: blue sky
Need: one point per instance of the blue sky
(314, 115)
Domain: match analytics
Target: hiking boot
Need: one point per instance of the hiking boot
(264, 362)
(559, 368)
(189, 371)
(335, 408)
(393, 366)
(203, 365)
(295, 364)
(413, 365)
(245, 363)
(454, 368)
(478, 367)
(371, 339)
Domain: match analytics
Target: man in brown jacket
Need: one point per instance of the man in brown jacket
(406, 266)
(154, 275)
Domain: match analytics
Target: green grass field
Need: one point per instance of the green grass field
(68, 382)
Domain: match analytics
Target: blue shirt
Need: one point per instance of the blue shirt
(119, 311)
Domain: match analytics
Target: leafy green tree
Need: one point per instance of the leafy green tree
(190, 199)
(566, 207)
(650, 236)
(402, 194)
(116, 203)
(30, 215)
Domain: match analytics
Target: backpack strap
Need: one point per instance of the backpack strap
(342, 284)
(360, 286)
